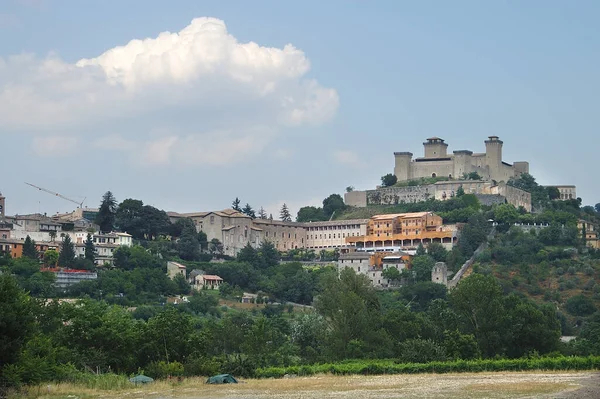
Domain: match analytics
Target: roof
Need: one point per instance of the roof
(179, 265)
(435, 138)
(196, 272)
(227, 228)
(355, 255)
(401, 215)
(211, 277)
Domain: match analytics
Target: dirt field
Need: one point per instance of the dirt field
(584, 385)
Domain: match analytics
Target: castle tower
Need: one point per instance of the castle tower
(463, 163)
(435, 148)
(493, 156)
(2, 204)
(439, 274)
(402, 165)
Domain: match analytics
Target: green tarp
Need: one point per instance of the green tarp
(222, 379)
(141, 379)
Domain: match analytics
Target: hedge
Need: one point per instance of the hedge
(376, 367)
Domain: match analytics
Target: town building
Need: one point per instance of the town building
(206, 281)
(567, 192)
(373, 265)
(14, 247)
(105, 245)
(68, 277)
(436, 162)
(174, 269)
(588, 232)
(404, 232)
(235, 230)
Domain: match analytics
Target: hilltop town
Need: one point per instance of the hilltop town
(374, 274)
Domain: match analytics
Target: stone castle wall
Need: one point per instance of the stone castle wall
(488, 193)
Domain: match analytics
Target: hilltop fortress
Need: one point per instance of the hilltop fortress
(452, 168)
(438, 163)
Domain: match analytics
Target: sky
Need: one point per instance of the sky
(188, 104)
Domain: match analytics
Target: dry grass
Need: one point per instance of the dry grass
(475, 385)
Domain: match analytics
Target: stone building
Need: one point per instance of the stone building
(436, 162)
(235, 230)
(372, 265)
(566, 192)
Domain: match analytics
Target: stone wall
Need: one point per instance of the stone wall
(488, 193)
(396, 195)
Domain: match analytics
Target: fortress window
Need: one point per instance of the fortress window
(433, 175)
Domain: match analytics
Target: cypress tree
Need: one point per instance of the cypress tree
(67, 253)
(90, 249)
(29, 249)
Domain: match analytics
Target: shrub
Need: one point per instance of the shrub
(164, 369)
(571, 270)
(559, 271)
(421, 351)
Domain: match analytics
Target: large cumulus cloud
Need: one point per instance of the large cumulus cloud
(179, 96)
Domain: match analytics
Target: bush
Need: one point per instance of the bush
(164, 369)
(559, 271)
(456, 366)
(421, 351)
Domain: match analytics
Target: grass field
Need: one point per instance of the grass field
(464, 385)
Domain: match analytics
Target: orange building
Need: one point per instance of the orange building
(14, 247)
(404, 231)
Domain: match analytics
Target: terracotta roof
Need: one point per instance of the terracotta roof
(211, 277)
(400, 215)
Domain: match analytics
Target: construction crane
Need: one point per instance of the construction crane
(80, 204)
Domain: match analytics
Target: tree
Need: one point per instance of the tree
(52, 235)
(392, 274)
(155, 222)
(310, 214)
(580, 305)
(90, 249)
(437, 252)
(460, 192)
(472, 176)
(553, 192)
(106, 214)
(17, 321)
(485, 319)
(129, 217)
(270, 216)
(215, 247)
(284, 214)
(188, 246)
(597, 207)
(332, 204)
(261, 213)
(235, 205)
(202, 240)
(67, 252)
(248, 254)
(420, 250)
(350, 307)
(183, 287)
(29, 249)
(51, 258)
(249, 211)
(389, 180)
(422, 266)
(349, 189)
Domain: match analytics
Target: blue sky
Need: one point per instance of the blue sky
(363, 79)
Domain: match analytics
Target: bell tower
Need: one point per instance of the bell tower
(2, 203)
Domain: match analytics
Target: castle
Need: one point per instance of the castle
(438, 163)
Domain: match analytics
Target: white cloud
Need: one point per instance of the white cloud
(200, 79)
(348, 158)
(54, 145)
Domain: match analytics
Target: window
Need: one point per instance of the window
(212, 220)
